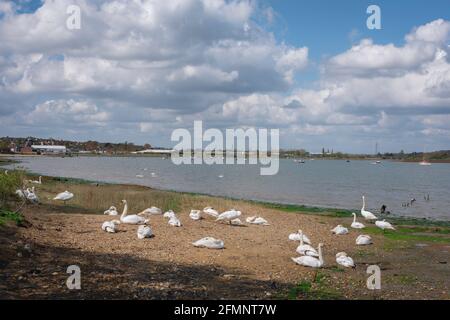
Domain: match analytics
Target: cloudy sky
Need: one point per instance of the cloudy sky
(138, 69)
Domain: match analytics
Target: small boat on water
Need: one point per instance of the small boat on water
(424, 163)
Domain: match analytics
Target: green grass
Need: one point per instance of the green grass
(6, 216)
(306, 209)
(314, 290)
(408, 234)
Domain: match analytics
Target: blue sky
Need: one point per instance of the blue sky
(137, 70)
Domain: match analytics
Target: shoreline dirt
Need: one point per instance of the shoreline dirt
(255, 264)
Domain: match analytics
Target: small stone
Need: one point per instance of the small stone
(54, 273)
(19, 254)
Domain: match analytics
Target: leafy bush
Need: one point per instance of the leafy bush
(9, 183)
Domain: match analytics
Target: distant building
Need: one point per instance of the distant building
(49, 149)
(154, 151)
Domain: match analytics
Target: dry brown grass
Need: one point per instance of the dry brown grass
(95, 198)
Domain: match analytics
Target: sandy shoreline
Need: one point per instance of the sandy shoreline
(256, 261)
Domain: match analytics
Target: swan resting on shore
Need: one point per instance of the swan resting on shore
(367, 214)
(299, 236)
(112, 211)
(211, 211)
(64, 196)
(229, 215)
(209, 242)
(339, 230)
(355, 224)
(344, 260)
(306, 249)
(363, 240)
(237, 222)
(257, 220)
(383, 225)
(174, 222)
(195, 215)
(169, 214)
(36, 181)
(309, 261)
(151, 211)
(31, 195)
(110, 226)
(131, 219)
(144, 232)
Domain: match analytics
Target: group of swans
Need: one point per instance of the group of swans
(382, 224)
(310, 257)
(28, 194)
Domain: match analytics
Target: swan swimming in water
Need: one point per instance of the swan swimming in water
(363, 240)
(112, 211)
(306, 249)
(130, 219)
(64, 196)
(229, 215)
(309, 261)
(355, 224)
(339, 230)
(383, 225)
(144, 232)
(344, 260)
(298, 236)
(257, 220)
(367, 214)
(211, 211)
(209, 242)
(151, 211)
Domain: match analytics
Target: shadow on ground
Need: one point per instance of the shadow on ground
(41, 274)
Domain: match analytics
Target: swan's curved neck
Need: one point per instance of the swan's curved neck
(364, 204)
(320, 254)
(125, 211)
(354, 217)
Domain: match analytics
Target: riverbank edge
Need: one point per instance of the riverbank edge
(285, 207)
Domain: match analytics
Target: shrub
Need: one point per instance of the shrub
(9, 183)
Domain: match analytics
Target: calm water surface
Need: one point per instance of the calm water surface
(326, 183)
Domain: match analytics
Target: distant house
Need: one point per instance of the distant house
(46, 149)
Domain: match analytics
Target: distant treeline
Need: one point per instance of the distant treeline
(6, 143)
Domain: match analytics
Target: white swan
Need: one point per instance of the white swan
(6, 172)
(169, 214)
(110, 226)
(306, 249)
(237, 222)
(211, 211)
(344, 260)
(195, 215)
(383, 225)
(367, 214)
(20, 193)
(257, 220)
(309, 261)
(31, 195)
(355, 224)
(36, 181)
(64, 196)
(229, 215)
(151, 211)
(298, 236)
(339, 230)
(363, 240)
(174, 222)
(112, 211)
(144, 232)
(209, 242)
(130, 219)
